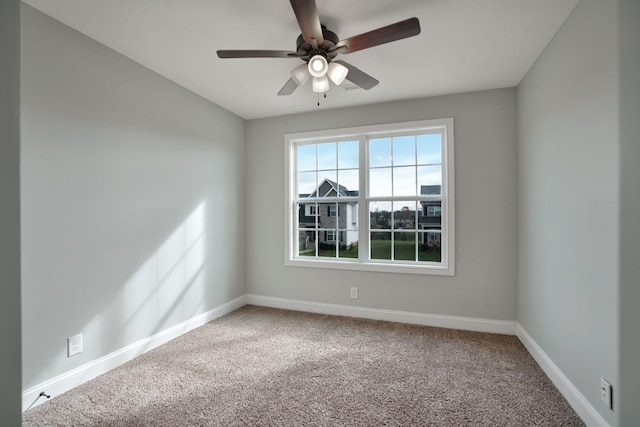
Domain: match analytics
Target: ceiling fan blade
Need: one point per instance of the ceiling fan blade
(398, 31)
(257, 54)
(358, 77)
(289, 87)
(308, 20)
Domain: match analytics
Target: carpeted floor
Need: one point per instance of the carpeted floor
(260, 366)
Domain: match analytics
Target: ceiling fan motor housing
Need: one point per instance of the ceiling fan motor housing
(330, 41)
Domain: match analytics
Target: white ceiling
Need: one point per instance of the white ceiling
(465, 45)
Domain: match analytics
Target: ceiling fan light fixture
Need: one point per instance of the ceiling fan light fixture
(320, 84)
(300, 74)
(337, 72)
(318, 66)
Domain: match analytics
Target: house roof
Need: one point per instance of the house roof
(339, 190)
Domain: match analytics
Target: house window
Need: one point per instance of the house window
(376, 198)
(434, 210)
(311, 210)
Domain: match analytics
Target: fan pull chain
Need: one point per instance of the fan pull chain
(324, 95)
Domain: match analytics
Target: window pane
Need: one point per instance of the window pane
(379, 152)
(404, 215)
(307, 214)
(404, 246)
(307, 243)
(327, 156)
(404, 151)
(429, 248)
(431, 221)
(349, 182)
(327, 215)
(306, 183)
(348, 247)
(380, 245)
(380, 182)
(348, 156)
(327, 243)
(404, 181)
(306, 157)
(430, 180)
(429, 149)
(327, 188)
(380, 215)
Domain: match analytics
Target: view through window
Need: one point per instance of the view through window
(380, 197)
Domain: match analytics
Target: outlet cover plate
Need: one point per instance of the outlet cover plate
(605, 393)
(74, 345)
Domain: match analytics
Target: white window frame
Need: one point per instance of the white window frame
(362, 134)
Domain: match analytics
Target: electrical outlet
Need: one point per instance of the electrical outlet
(74, 345)
(605, 393)
(354, 292)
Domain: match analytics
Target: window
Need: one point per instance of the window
(377, 198)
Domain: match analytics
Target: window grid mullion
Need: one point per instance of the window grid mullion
(363, 205)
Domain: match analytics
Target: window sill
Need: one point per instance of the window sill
(374, 266)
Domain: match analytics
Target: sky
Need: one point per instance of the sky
(399, 166)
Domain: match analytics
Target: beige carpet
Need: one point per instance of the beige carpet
(260, 366)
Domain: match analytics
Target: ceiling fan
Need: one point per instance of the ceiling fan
(318, 48)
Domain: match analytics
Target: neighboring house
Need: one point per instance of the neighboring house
(431, 216)
(336, 222)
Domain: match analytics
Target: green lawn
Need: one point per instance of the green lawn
(381, 249)
(404, 250)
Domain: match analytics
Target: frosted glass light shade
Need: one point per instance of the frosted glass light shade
(337, 72)
(320, 84)
(318, 66)
(300, 74)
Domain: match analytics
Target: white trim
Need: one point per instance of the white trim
(578, 402)
(441, 321)
(89, 371)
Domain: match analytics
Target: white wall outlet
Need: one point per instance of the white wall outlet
(605, 393)
(354, 292)
(74, 345)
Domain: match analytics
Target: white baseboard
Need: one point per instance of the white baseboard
(68, 380)
(578, 402)
(451, 322)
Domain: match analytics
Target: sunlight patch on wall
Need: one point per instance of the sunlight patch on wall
(169, 287)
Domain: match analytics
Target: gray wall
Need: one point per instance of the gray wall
(10, 386)
(485, 154)
(629, 213)
(568, 123)
(132, 200)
